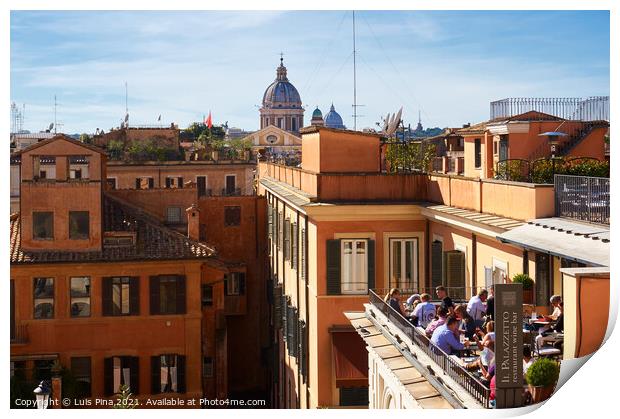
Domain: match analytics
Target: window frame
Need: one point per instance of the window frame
(72, 297)
(72, 236)
(180, 213)
(232, 220)
(355, 266)
(121, 281)
(477, 153)
(414, 282)
(34, 214)
(44, 298)
(80, 377)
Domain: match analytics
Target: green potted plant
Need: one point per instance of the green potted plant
(528, 287)
(541, 378)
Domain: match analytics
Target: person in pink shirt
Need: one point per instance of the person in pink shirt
(442, 314)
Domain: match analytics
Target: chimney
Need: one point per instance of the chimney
(193, 222)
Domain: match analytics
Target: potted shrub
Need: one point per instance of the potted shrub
(528, 287)
(541, 378)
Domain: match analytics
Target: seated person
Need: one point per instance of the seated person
(446, 301)
(476, 307)
(442, 313)
(393, 299)
(555, 301)
(527, 358)
(547, 334)
(413, 301)
(467, 325)
(424, 312)
(444, 337)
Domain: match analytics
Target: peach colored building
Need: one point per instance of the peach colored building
(341, 225)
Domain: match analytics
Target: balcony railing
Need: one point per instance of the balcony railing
(595, 108)
(450, 367)
(231, 192)
(582, 198)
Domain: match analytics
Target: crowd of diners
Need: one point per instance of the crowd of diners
(467, 331)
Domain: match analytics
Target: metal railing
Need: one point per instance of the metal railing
(594, 108)
(231, 192)
(582, 198)
(19, 334)
(450, 367)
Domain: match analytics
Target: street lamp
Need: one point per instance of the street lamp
(42, 395)
(554, 140)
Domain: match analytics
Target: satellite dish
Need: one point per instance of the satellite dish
(50, 127)
(386, 122)
(392, 124)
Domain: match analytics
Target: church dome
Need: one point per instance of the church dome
(281, 93)
(317, 113)
(333, 119)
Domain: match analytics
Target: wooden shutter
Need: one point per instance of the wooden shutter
(436, 264)
(106, 296)
(333, 267)
(202, 185)
(137, 183)
(154, 295)
(303, 350)
(285, 318)
(181, 295)
(371, 264)
(180, 180)
(270, 221)
(108, 376)
(225, 284)
(280, 230)
(134, 296)
(287, 239)
(134, 373)
(296, 334)
(454, 269)
(291, 325)
(277, 307)
(155, 374)
(151, 183)
(294, 246)
(241, 282)
(181, 373)
(303, 254)
(168, 182)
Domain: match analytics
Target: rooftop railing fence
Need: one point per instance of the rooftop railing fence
(583, 198)
(594, 108)
(450, 367)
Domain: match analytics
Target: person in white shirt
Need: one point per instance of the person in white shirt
(425, 311)
(476, 307)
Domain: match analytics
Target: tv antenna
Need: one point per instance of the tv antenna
(56, 123)
(355, 105)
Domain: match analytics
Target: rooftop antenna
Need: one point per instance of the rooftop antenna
(55, 122)
(126, 108)
(355, 105)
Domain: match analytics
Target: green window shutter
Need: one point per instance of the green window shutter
(436, 264)
(277, 307)
(270, 221)
(155, 374)
(294, 245)
(287, 239)
(454, 268)
(303, 350)
(154, 295)
(280, 231)
(303, 255)
(371, 264)
(284, 317)
(333, 267)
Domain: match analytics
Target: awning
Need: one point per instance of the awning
(584, 243)
(350, 359)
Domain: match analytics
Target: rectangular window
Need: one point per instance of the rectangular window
(144, 183)
(120, 296)
(111, 183)
(79, 222)
(235, 283)
(174, 182)
(80, 296)
(207, 295)
(120, 371)
(477, 153)
(404, 264)
(168, 373)
(354, 260)
(81, 371)
(75, 174)
(43, 290)
(43, 225)
(201, 183)
(207, 367)
(173, 215)
(230, 184)
(232, 216)
(167, 294)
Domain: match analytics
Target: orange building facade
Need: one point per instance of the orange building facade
(116, 293)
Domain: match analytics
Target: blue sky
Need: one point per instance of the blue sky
(450, 65)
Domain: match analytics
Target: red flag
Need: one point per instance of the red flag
(208, 121)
